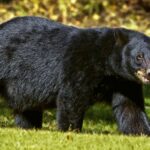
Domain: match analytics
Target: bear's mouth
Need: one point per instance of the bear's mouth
(142, 76)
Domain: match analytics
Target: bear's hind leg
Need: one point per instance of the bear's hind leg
(28, 119)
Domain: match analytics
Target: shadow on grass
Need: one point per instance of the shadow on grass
(99, 112)
(6, 115)
(96, 114)
(98, 119)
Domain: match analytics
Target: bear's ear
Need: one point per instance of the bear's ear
(121, 36)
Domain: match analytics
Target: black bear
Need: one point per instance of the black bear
(43, 62)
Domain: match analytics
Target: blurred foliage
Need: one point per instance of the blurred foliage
(133, 14)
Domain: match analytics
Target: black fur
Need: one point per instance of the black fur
(43, 62)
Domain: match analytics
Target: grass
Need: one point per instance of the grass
(99, 132)
(42, 140)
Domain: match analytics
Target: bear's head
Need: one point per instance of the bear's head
(135, 54)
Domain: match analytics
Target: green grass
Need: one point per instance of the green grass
(99, 132)
(21, 139)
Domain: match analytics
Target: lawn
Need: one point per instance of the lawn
(99, 132)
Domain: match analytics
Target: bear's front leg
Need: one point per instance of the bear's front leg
(130, 116)
(69, 120)
(70, 110)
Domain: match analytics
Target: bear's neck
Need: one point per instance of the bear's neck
(100, 46)
(95, 50)
(107, 57)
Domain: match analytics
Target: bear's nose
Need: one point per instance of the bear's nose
(148, 73)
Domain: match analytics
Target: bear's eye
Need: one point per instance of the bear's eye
(139, 57)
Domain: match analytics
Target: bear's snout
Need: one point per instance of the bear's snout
(143, 75)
